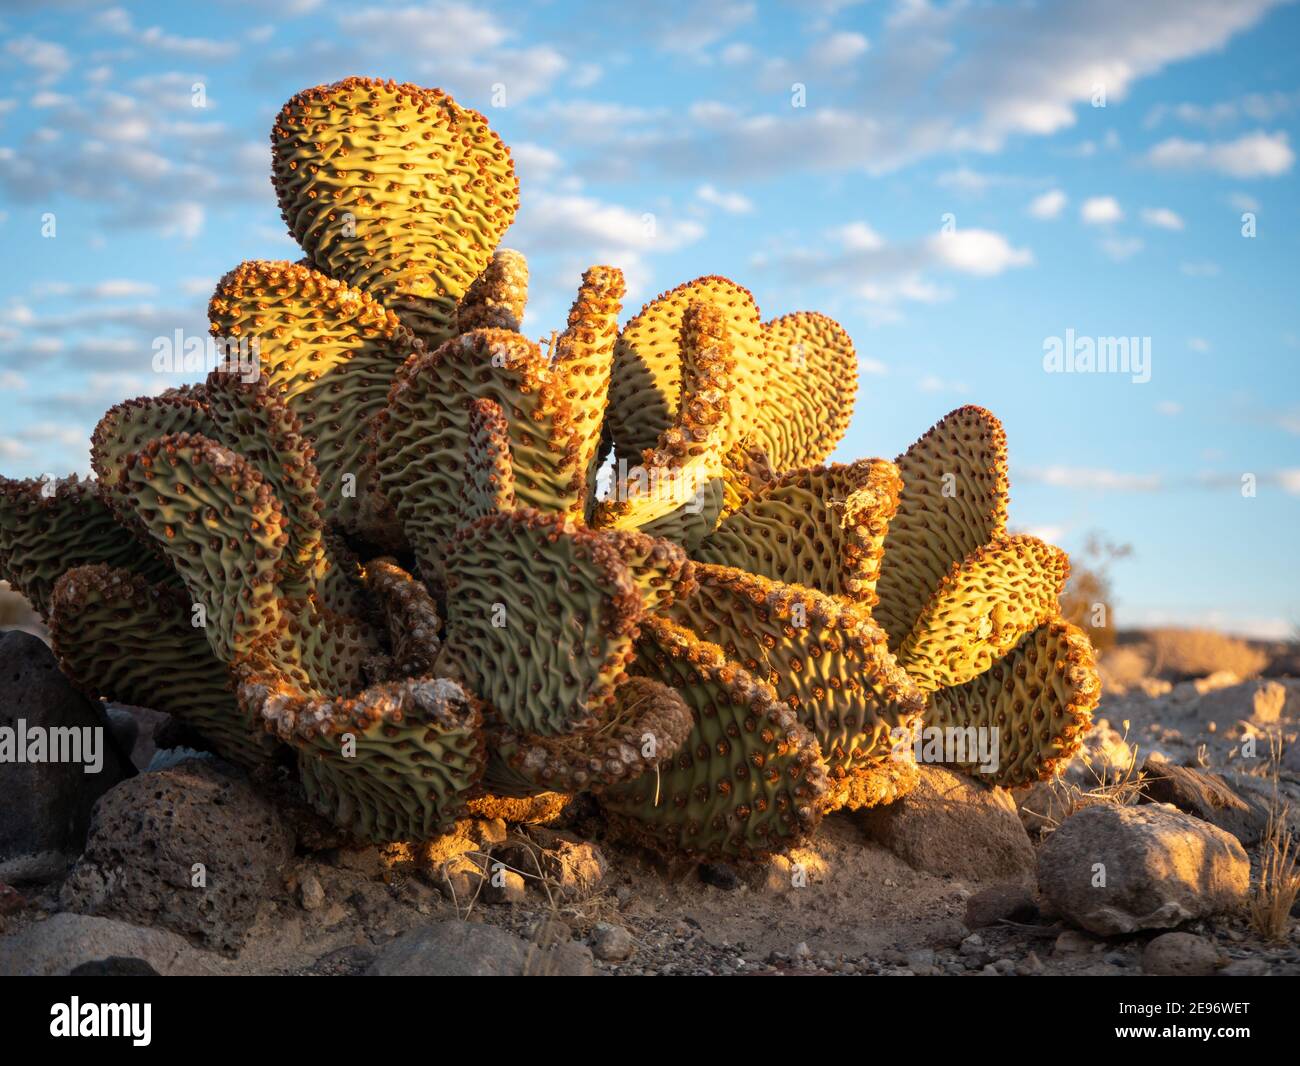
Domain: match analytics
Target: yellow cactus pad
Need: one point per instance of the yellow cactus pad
(120, 638)
(395, 189)
(329, 352)
(678, 489)
(584, 355)
(954, 501)
(981, 610)
(747, 782)
(648, 388)
(129, 426)
(489, 485)
(823, 527)
(541, 616)
(811, 381)
(1040, 698)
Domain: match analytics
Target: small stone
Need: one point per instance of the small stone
(458, 879)
(11, 900)
(505, 886)
(1005, 966)
(920, 957)
(612, 943)
(311, 893)
(1072, 942)
(1181, 955)
(801, 950)
(990, 971)
(1245, 968)
(1030, 965)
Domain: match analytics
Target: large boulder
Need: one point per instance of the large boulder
(57, 757)
(953, 824)
(1112, 869)
(469, 949)
(64, 942)
(1259, 701)
(194, 849)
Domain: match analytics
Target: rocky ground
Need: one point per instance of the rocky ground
(189, 868)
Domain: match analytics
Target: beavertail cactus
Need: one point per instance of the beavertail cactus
(379, 544)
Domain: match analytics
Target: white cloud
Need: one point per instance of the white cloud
(49, 60)
(934, 383)
(1121, 248)
(1169, 408)
(731, 202)
(978, 251)
(1253, 155)
(1078, 477)
(1202, 268)
(837, 49)
(1101, 210)
(1162, 218)
(1049, 205)
(1198, 344)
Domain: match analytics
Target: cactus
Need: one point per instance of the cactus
(379, 547)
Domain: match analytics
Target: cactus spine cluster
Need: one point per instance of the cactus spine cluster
(383, 554)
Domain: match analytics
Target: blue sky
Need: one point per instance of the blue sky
(948, 191)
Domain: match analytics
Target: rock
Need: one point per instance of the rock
(1072, 943)
(126, 731)
(11, 900)
(1259, 700)
(458, 879)
(719, 875)
(469, 949)
(1043, 806)
(1245, 968)
(1112, 869)
(115, 966)
(1181, 955)
(148, 725)
(58, 945)
(576, 866)
(919, 959)
(311, 893)
(47, 803)
(1205, 795)
(504, 886)
(1291, 757)
(1011, 901)
(611, 943)
(952, 824)
(194, 849)
(1030, 965)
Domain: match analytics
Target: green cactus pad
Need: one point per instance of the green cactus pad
(497, 298)
(811, 381)
(489, 485)
(658, 567)
(982, 609)
(422, 436)
(120, 638)
(48, 527)
(1040, 697)
(130, 425)
(823, 527)
(679, 488)
(395, 189)
(647, 725)
(823, 658)
(329, 352)
(222, 528)
(954, 501)
(541, 616)
(746, 783)
(584, 355)
(410, 615)
(647, 387)
(396, 762)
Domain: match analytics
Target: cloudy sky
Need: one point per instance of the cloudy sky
(958, 183)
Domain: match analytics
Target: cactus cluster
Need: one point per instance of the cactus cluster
(385, 556)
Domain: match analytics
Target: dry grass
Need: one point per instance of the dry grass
(1110, 785)
(1190, 653)
(1275, 889)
